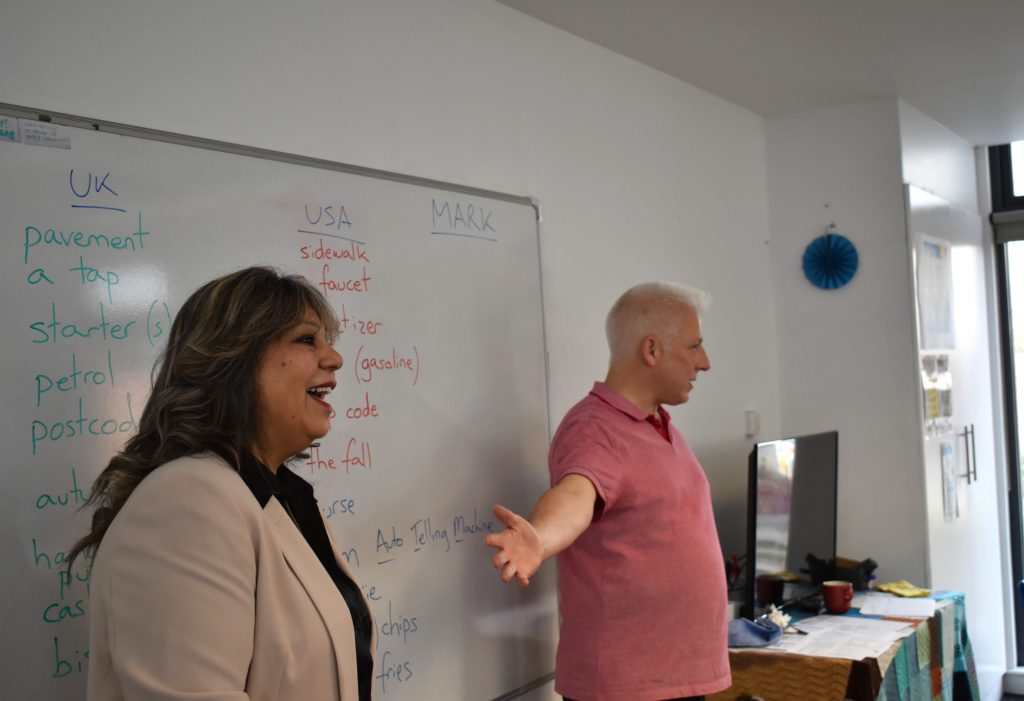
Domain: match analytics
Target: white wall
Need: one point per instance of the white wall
(639, 176)
(847, 357)
(936, 159)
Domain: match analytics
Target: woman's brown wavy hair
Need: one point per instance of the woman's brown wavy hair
(205, 395)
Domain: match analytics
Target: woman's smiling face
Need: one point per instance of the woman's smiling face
(294, 375)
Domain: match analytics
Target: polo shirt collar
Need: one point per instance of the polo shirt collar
(612, 398)
(621, 403)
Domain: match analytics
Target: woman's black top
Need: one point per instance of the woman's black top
(296, 496)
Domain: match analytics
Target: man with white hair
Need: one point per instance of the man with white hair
(641, 577)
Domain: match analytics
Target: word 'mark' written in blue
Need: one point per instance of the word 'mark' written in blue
(470, 218)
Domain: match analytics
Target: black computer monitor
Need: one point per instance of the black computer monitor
(791, 509)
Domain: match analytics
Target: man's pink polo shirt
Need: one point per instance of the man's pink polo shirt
(643, 592)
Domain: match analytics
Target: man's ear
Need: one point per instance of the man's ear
(650, 351)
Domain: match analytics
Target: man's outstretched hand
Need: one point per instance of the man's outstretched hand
(520, 551)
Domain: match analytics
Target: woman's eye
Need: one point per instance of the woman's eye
(308, 340)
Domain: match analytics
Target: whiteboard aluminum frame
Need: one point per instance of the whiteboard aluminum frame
(70, 120)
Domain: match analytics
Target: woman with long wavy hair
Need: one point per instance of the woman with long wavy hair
(215, 575)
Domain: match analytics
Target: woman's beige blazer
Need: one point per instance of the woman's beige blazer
(199, 593)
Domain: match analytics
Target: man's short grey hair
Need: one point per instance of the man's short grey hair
(648, 309)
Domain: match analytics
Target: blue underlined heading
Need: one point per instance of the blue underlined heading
(96, 206)
(333, 236)
(468, 236)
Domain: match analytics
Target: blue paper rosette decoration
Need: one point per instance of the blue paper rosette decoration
(830, 261)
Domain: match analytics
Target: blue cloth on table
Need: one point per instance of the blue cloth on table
(744, 632)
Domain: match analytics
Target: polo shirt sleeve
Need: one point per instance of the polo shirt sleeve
(585, 448)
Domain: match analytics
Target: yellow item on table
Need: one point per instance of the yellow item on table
(903, 588)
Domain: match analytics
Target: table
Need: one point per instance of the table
(934, 663)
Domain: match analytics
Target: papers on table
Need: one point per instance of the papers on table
(884, 605)
(848, 637)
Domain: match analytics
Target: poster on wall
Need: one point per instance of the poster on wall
(935, 294)
(937, 393)
(950, 505)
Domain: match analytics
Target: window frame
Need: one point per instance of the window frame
(1013, 447)
(1001, 174)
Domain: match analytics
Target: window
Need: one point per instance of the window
(1006, 168)
(1017, 167)
(1007, 177)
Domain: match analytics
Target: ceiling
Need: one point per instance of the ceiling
(961, 62)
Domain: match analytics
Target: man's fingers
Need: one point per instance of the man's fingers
(504, 515)
(504, 540)
(507, 572)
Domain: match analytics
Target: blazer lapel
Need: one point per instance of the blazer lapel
(320, 587)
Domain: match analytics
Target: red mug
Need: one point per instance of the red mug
(837, 595)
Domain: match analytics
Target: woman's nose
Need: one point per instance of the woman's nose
(333, 359)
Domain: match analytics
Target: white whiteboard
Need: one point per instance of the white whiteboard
(442, 402)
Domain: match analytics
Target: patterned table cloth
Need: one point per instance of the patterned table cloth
(934, 663)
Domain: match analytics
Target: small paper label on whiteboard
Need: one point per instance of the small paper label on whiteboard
(44, 134)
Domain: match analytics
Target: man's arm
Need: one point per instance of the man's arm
(561, 514)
